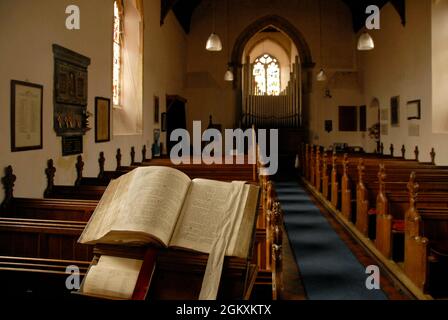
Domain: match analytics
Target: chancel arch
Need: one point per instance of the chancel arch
(275, 33)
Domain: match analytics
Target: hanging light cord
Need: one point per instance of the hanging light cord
(214, 16)
(320, 33)
(228, 36)
(227, 26)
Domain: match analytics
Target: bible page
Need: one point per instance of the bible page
(113, 277)
(106, 212)
(244, 227)
(153, 202)
(206, 205)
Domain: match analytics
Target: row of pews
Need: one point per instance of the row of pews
(397, 207)
(38, 237)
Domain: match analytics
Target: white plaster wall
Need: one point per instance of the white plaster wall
(29, 28)
(400, 65)
(440, 65)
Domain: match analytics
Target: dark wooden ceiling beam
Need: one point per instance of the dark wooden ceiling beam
(184, 9)
(400, 6)
(165, 7)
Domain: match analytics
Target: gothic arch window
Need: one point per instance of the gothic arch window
(266, 75)
(117, 53)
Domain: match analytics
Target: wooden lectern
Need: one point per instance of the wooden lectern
(170, 274)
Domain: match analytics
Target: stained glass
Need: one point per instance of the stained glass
(266, 75)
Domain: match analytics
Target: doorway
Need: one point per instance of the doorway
(374, 116)
(175, 117)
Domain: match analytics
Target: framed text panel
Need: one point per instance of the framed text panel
(26, 116)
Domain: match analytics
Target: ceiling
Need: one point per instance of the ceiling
(184, 9)
(358, 8)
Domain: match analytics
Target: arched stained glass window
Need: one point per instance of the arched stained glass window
(266, 76)
(117, 52)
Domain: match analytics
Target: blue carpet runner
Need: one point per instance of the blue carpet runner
(328, 268)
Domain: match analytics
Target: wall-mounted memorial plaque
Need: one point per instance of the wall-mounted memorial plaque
(71, 145)
(70, 92)
(414, 110)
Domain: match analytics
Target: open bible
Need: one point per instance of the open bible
(163, 207)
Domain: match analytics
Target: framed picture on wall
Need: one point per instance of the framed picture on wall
(156, 109)
(395, 111)
(102, 119)
(413, 110)
(26, 116)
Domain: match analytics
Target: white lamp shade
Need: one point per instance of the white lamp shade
(228, 76)
(365, 42)
(214, 43)
(321, 76)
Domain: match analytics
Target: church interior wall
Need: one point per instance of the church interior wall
(400, 65)
(206, 88)
(406, 62)
(26, 55)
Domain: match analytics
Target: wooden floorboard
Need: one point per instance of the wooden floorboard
(293, 288)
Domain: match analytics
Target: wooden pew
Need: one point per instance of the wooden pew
(37, 238)
(47, 209)
(421, 221)
(78, 191)
(35, 209)
(104, 177)
(352, 181)
(425, 228)
(24, 277)
(92, 188)
(277, 250)
(391, 203)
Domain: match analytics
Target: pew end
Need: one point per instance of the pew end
(416, 260)
(383, 240)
